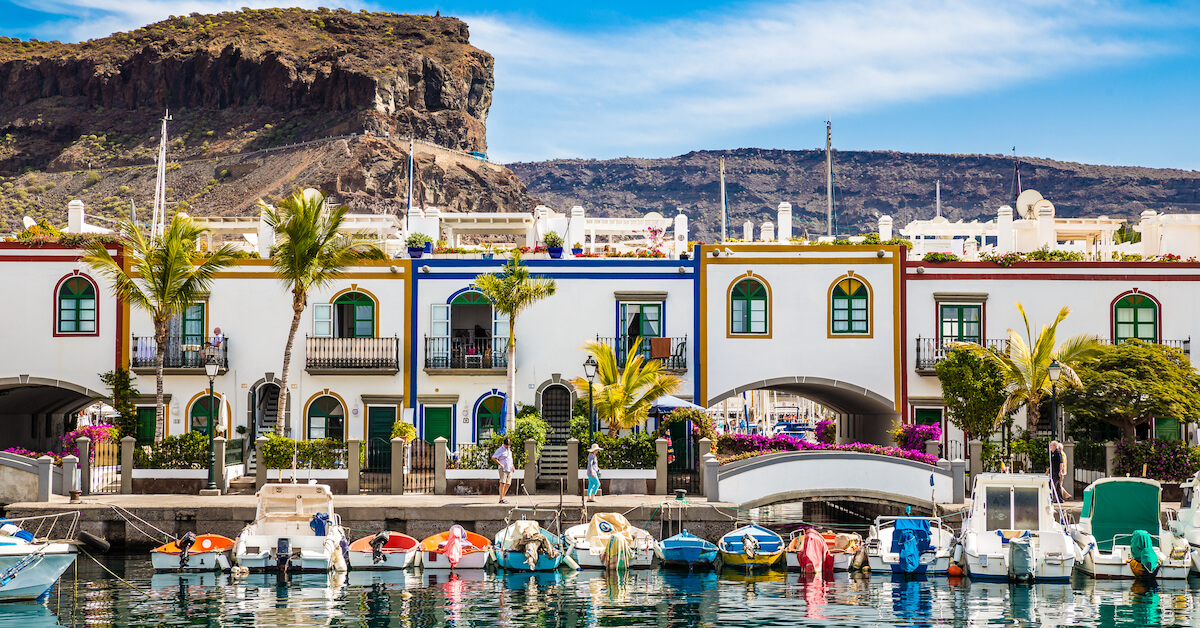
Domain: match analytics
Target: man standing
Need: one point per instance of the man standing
(1057, 471)
(503, 459)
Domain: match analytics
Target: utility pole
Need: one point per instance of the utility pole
(724, 205)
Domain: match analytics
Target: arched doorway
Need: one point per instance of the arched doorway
(35, 412)
(489, 417)
(326, 418)
(199, 414)
(556, 411)
(264, 402)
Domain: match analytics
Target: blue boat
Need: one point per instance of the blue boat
(688, 550)
(751, 547)
(514, 541)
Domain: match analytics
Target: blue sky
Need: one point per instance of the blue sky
(1104, 82)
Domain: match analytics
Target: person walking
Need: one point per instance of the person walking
(593, 473)
(503, 459)
(1057, 471)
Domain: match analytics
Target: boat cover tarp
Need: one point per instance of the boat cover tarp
(528, 538)
(1122, 507)
(816, 557)
(1142, 549)
(910, 537)
(604, 526)
(1021, 563)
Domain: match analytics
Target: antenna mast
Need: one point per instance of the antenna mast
(724, 205)
(159, 217)
(829, 177)
(412, 142)
(939, 197)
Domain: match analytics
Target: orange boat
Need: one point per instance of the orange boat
(395, 551)
(206, 552)
(842, 547)
(455, 549)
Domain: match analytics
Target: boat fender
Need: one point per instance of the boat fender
(658, 553)
(958, 549)
(345, 547)
(954, 570)
(184, 543)
(377, 542)
(570, 562)
(95, 542)
(860, 560)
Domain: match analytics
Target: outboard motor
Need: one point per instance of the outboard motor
(1021, 564)
(283, 554)
(750, 545)
(377, 542)
(185, 543)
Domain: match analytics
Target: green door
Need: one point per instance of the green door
(929, 416)
(437, 423)
(147, 420)
(379, 436)
(1167, 428)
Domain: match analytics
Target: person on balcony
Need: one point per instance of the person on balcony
(214, 345)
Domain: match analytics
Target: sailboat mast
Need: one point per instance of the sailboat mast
(159, 217)
(829, 177)
(939, 197)
(412, 143)
(724, 205)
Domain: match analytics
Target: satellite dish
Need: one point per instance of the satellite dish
(1043, 206)
(1025, 203)
(28, 222)
(654, 216)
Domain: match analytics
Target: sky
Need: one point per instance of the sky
(1093, 81)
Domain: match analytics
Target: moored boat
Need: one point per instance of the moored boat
(526, 546)
(809, 552)
(294, 529)
(1012, 532)
(688, 550)
(30, 566)
(910, 545)
(385, 550)
(206, 552)
(455, 549)
(610, 538)
(750, 547)
(1187, 522)
(1119, 534)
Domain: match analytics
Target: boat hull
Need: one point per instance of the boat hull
(512, 560)
(995, 567)
(40, 576)
(197, 561)
(256, 553)
(758, 561)
(476, 559)
(931, 564)
(686, 550)
(640, 558)
(841, 561)
(1114, 566)
(393, 560)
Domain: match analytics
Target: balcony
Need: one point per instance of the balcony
(674, 359)
(930, 351)
(352, 356)
(466, 356)
(184, 355)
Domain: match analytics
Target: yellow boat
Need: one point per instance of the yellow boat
(751, 547)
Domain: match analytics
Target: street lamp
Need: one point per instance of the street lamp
(210, 368)
(589, 369)
(1055, 371)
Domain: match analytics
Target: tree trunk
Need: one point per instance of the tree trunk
(1033, 412)
(298, 302)
(160, 342)
(510, 400)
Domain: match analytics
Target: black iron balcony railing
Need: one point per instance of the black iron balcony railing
(352, 353)
(465, 353)
(930, 351)
(670, 352)
(182, 352)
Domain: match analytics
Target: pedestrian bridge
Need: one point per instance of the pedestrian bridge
(799, 475)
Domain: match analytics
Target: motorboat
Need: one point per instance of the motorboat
(1186, 524)
(910, 545)
(455, 549)
(750, 547)
(808, 551)
(526, 546)
(688, 550)
(1012, 531)
(385, 550)
(842, 546)
(30, 566)
(1119, 534)
(608, 539)
(294, 529)
(206, 552)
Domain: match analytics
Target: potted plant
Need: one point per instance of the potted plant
(417, 244)
(577, 248)
(554, 245)
(488, 250)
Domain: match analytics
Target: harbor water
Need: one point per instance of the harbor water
(133, 595)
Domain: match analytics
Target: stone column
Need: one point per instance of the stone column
(660, 467)
(1110, 457)
(784, 227)
(933, 447)
(440, 453)
(70, 479)
(219, 462)
(398, 452)
(353, 450)
(127, 445)
(885, 228)
(260, 464)
(530, 466)
(572, 466)
(711, 469)
(705, 449)
(976, 449)
(46, 478)
(1069, 464)
(958, 468)
(85, 464)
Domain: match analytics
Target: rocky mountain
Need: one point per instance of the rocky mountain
(866, 184)
(83, 120)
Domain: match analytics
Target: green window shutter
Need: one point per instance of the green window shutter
(1167, 428)
(1136, 316)
(76, 306)
(326, 419)
(928, 416)
(961, 323)
(360, 309)
(850, 305)
(193, 324)
(489, 418)
(651, 321)
(748, 308)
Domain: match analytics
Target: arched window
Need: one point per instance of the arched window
(198, 415)
(850, 307)
(354, 314)
(489, 417)
(326, 418)
(1135, 316)
(77, 306)
(749, 307)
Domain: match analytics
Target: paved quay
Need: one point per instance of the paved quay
(126, 520)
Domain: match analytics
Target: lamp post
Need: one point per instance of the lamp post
(211, 368)
(1055, 371)
(589, 369)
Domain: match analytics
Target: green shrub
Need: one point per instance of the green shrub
(93, 178)
(322, 453)
(186, 451)
(632, 451)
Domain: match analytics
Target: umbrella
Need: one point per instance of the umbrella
(668, 403)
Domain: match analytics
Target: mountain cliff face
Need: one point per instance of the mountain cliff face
(866, 184)
(74, 116)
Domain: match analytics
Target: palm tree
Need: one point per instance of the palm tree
(164, 277)
(625, 395)
(1026, 365)
(309, 253)
(511, 292)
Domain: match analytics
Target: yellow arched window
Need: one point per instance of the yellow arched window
(850, 307)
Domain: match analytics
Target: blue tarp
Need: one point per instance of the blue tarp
(319, 522)
(910, 538)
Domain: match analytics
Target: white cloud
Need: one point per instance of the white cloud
(674, 84)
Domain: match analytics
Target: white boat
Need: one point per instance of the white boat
(386, 550)
(1187, 523)
(1013, 532)
(587, 542)
(294, 529)
(1119, 534)
(842, 547)
(910, 545)
(30, 566)
(455, 549)
(207, 552)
